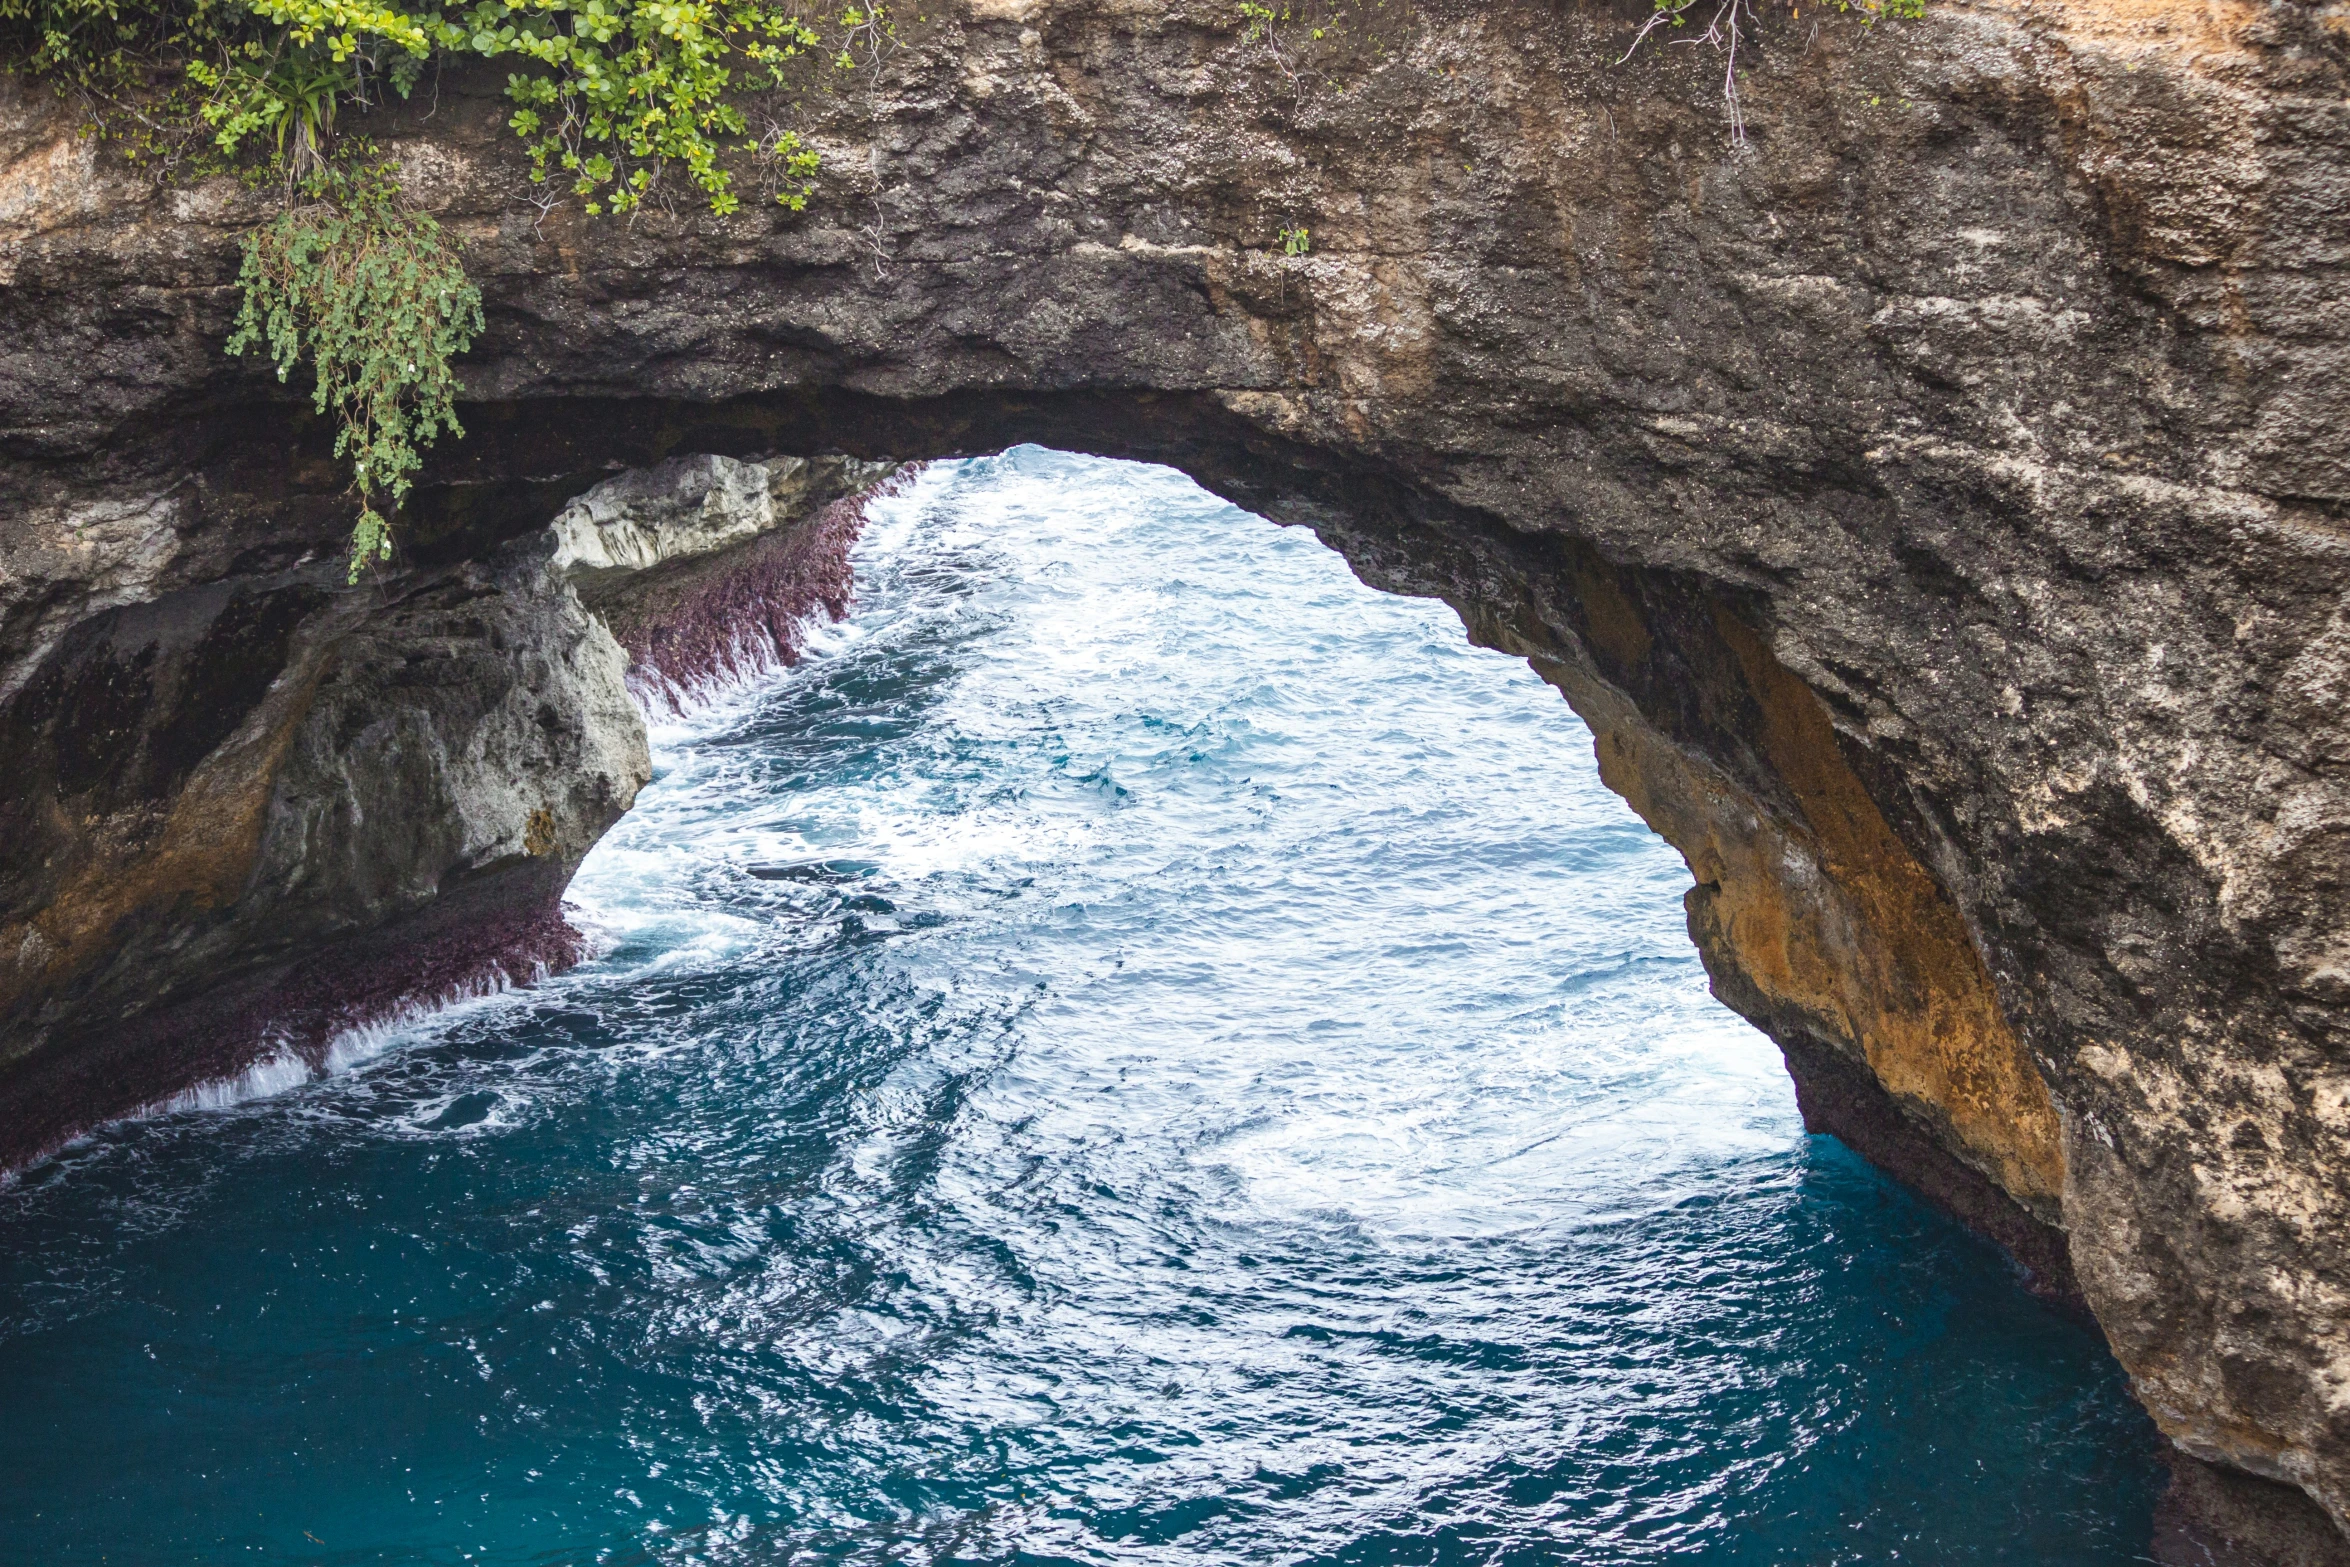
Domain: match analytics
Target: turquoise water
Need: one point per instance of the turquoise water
(1143, 1050)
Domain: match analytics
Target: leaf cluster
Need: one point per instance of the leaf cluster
(369, 292)
(609, 94)
(625, 87)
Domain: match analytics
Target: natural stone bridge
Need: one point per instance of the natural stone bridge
(1935, 507)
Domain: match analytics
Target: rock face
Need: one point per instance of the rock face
(692, 565)
(247, 816)
(1936, 506)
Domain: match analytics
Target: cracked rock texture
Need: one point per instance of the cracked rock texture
(1937, 507)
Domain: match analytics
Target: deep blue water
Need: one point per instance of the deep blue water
(1143, 1050)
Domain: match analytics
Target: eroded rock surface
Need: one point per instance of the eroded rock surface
(245, 816)
(1936, 507)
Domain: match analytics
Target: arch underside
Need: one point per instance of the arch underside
(1816, 920)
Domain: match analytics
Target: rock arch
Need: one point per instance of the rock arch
(1935, 508)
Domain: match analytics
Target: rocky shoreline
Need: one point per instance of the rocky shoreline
(422, 767)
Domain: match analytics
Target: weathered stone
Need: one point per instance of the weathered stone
(1936, 507)
(246, 816)
(707, 568)
(680, 510)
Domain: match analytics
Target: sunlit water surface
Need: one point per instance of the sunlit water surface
(1143, 1050)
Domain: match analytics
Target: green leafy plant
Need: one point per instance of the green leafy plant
(609, 96)
(290, 100)
(1296, 240)
(369, 293)
(625, 88)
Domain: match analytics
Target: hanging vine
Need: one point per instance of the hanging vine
(615, 101)
(369, 293)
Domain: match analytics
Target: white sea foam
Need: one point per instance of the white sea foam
(281, 1068)
(277, 1070)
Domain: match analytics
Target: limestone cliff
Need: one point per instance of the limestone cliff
(1936, 506)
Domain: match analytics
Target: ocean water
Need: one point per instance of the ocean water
(1141, 1050)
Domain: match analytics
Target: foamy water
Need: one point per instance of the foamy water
(1141, 1049)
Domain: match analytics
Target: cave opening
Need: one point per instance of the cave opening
(1142, 1043)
